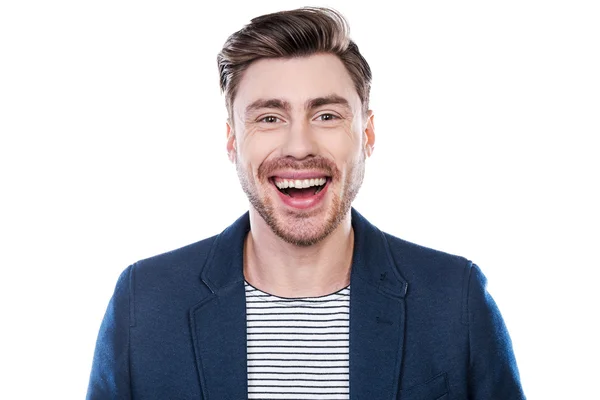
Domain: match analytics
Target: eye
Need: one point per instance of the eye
(269, 119)
(327, 117)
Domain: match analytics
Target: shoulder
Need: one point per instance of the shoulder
(430, 271)
(171, 271)
(414, 258)
(192, 255)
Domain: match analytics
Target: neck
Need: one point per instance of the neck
(286, 270)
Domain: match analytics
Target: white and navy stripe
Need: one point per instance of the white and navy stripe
(298, 348)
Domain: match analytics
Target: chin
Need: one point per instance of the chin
(305, 228)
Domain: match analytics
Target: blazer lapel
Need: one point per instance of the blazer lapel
(377, 315)
(218, 322)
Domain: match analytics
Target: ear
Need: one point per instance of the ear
(369, 133)
(231, 144)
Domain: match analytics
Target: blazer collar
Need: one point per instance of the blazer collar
(377, 316)
(372, 260)
(218, 321)
(224, 265)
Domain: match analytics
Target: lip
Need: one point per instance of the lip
(303, 204)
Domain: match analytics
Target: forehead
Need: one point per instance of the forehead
(296, 80)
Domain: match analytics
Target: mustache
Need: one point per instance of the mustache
(318, 163)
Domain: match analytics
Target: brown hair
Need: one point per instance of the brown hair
(296, 33)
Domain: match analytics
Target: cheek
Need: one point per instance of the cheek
(255, 149)
(345, 147)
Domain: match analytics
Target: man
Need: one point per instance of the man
(301, 298)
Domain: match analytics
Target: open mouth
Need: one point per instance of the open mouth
(303, 188)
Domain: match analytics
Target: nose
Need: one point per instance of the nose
(300, 141)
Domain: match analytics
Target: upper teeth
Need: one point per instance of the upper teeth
(299, 184)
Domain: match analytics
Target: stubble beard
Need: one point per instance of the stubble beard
(303, 230)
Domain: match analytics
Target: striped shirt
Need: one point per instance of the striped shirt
(298, 347)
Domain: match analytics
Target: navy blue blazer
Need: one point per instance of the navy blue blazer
(422, 325)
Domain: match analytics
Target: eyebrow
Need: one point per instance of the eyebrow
(309, 105)
(327, 100)
(268, 103)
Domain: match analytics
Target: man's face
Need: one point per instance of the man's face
(299, 139)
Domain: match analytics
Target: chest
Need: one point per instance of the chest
(298, 346)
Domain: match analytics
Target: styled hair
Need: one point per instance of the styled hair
(287, 34)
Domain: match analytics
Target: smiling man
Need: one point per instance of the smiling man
(301, 298)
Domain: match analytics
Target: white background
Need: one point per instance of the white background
(113, 149)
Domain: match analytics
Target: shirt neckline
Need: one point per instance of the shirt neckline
(342, 293)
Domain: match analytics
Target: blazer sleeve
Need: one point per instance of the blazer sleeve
(109, 378)
(493, 372)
